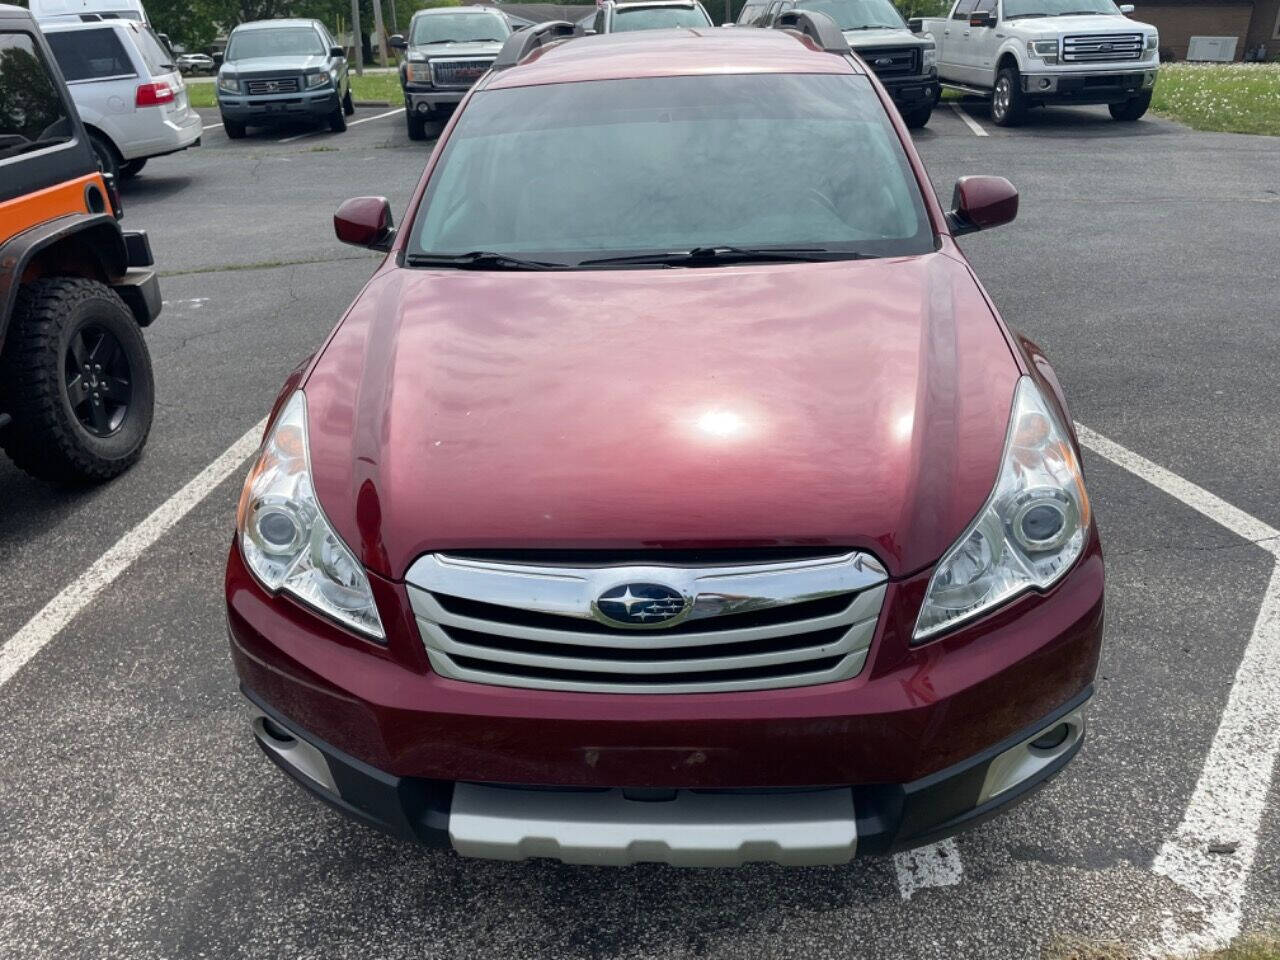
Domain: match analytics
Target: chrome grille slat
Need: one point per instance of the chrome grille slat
(1102, 48)
(575, 659)
(891, 61)
(269, 85)
(459, 73)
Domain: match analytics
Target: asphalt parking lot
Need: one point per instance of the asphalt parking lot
(140, 820)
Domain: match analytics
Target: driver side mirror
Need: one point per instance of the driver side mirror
(980, 203)
(340, 52)
(982, 18)
(218, 58)
(397, 42)
(1126, 8)
(365, 222)
(916, 25)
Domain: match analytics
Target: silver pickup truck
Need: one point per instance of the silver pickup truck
(1024, 53)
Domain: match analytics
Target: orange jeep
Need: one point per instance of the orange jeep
(76, 392)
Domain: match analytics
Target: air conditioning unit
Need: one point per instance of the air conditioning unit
(1221, 49)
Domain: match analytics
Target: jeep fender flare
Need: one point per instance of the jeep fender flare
(109, 259)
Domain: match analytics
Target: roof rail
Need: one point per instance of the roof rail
(520, 45)
(817, 26)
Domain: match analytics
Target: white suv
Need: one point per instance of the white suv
(127, 90)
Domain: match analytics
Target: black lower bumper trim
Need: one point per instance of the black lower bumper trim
(890, 817)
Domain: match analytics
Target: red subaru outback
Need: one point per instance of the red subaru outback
(673, 491)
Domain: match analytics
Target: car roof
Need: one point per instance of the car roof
(466, 9)
(648, 4)
(670, 53)
(10, 12)
(67, 26)
(273, 24)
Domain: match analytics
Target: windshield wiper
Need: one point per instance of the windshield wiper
(1024, 16)
(481, 40)
(872, 26)
(715, 255)
(427, 43)
(480, 260)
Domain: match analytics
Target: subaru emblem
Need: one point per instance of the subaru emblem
(639, 605)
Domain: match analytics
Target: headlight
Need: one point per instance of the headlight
(930, 57)
(1046, 50)
(1153, 41)
(420, 72)
(317, 80)
(229, 84)
(285, 538)
(1029, 533)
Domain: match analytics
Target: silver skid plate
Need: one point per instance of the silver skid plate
(693, 830)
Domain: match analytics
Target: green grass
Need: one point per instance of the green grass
(1224, 97)
(377, 86)
(1248, 948)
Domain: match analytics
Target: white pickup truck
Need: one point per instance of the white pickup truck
(1023, 53)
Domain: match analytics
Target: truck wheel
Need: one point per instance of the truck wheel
(919, 117)
(77, 379)
(108, 159)
(132, 168)
(348, 106)
(338, 120)
(1130, 110)
(233, 129)
(1008, 105)
(416, 126)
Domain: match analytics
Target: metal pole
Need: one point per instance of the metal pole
(355, 34)
(378, 29)
(395, 21)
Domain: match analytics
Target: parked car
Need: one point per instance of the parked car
(612, 17)
(904, 63)
(76, 390)
(128, 91)
(195, 63)
(693, 523)
(279, 71)
(1026, 53)
(446, 50)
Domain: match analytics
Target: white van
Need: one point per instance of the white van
(107, 9)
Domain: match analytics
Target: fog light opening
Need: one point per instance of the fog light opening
(1045, 83)
(424, 108)
(1052, 739)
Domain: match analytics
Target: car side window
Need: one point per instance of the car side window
(32, 114)
(771, 14)
(598, 26)
(95, 54)
(963, 9)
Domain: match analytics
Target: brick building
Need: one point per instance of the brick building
(1254, 22)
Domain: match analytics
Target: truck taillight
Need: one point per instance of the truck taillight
(155, 94)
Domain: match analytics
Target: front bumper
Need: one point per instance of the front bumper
(279, 107)
(430, 98)
(1088, 87)
(912, 92)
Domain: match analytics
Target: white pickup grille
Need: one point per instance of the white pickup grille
(751, 626)
(1102, 48)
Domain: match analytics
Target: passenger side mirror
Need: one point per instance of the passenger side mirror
(982, 18)
(1126, 8)
(980, 203)
(365, 222)
(398, 42)
(916, 25)
(217, 59)
(340, 52)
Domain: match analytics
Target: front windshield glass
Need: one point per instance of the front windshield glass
(659, 18)
(275, 42)
(459, 28)
(621, 167)
(1057, 8)
(857, 14)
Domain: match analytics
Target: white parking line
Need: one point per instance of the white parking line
(36, 633)
(211, 126)
(1212, 852)
(937, 865)
(352, 123)
(969, 122)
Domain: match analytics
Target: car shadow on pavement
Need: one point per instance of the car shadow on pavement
(1066, 121)
(153, 187)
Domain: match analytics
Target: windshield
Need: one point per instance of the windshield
(617, 167)
(659, 18)
(459, 28)
(857, 14)
(275, 42)
(1057, 8)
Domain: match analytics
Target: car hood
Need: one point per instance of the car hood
(261, 66)
(887, 37)
(431, 51)
(1053, 26)
(858, 403)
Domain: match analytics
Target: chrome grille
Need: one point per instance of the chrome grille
(271, 85)
(1102, 48)
(891, 61)
(754, 626)
(458, 74)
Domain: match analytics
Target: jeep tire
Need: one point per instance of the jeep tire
(77, 380)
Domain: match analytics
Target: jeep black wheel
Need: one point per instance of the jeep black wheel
(77, 379)
(348, 106)
(108, 159)
(1130, 110)
(1008, 103)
